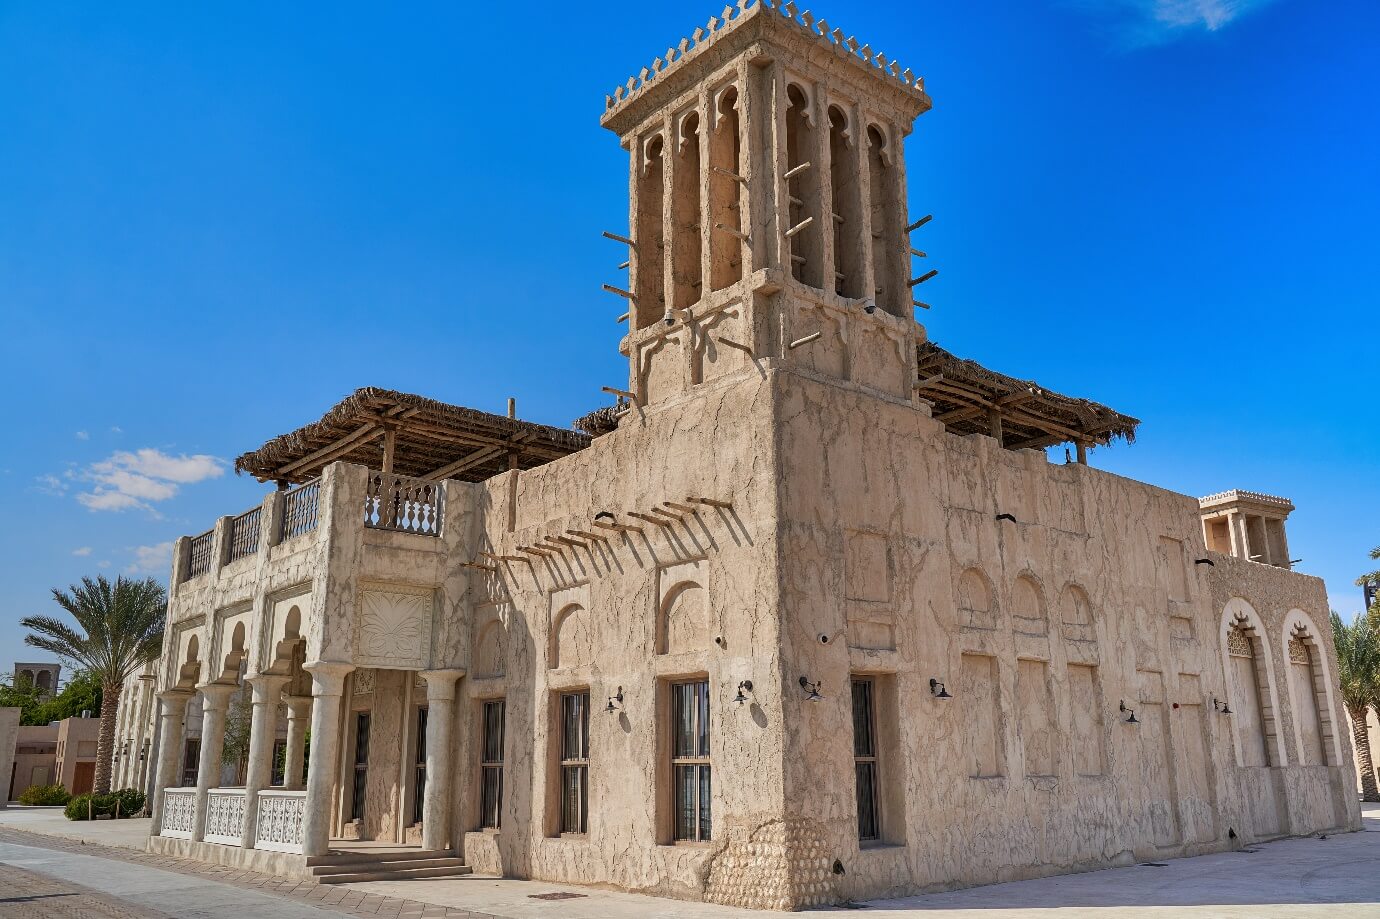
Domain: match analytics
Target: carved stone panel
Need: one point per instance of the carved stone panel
(394, 629)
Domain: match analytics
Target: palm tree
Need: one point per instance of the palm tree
(1358, 671)
(120, 629)
(1374, 576)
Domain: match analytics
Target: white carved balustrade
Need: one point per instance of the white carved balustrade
(279, 827)
(400, 502)
(179, 812)
(225, 816)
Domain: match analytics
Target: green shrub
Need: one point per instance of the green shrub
(44, 795)
(131, 801)
(78, 808)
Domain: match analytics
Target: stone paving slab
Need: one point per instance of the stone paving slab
(32, 895)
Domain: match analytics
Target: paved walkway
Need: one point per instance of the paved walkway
(1337, 877)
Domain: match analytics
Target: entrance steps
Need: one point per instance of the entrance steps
(395, 864)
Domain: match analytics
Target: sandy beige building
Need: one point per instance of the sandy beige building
(808, 616)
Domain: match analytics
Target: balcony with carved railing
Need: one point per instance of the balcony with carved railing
(225, 810)
(244, 534)
(402, 503)
(279, 824)
(179, 813)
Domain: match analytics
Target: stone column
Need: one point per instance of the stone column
(215, 702)
(440, 717)
(299, 715)
(170, 735)
(263, 726)
(327, 684)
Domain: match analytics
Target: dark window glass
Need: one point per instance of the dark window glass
(575, 762)
(491, 766)
(191, 757)
(279, 762)
(361, 772)
(690, 767)
(865, 759)
(419, 769)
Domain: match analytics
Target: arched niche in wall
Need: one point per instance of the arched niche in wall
(44, 682)
(490, 650)
(572, 638)
(685, 212)
(1310, 692)
(1250, 686)
(1075, 614)
(684, 619)
(1028, 614)
(975, 607)
(189, 662)
(888, 222)
(849, 251)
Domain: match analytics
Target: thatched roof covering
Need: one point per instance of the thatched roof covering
(964, 395)
(430, 439)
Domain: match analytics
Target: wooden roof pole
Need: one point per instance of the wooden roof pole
(994, 420)
(390, 443)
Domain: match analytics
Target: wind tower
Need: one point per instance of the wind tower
(767, 190)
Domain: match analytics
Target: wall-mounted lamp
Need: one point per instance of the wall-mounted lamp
(1130, 714)
(937, 689)
(1295, 561)
(811, 689)
(1205, 561)
(1007, 517)
(744, 686)
(616, 697)
(869, 306)
(1222, 707)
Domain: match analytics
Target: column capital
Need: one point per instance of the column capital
(173, 697)
(328, 677)
(216, 695)
(267, 687)
(440, 684)
(298, 706)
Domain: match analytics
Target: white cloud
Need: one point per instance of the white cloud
(155, 559)
(1154, 22)
(51, 484)
(82, 552)
(135, 479)
(82, 435)
(103, 563)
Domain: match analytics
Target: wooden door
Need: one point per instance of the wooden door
(83, 778)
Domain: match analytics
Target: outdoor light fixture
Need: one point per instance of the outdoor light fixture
(1205, 561)
(745, 685)
(1222, 707)
(616, 697)
(811, 689)
(1006, 517)
(1130, 714)
(869, 306)
(937, 689)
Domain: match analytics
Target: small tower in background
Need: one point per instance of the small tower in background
(767, 211)
(1247, 525)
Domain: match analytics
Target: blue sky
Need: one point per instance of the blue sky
(217, 220)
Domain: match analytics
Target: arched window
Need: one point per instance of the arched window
(1309, 692)
(685, 212)
(650, 304)
(489, 651)
(725, 192)
(807, 261)
(847, 217)
(888, 225)
(975, 601)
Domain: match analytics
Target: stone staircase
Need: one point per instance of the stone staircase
(385, 865)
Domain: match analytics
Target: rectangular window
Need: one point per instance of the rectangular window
(491, 766)
(865, 759)
(279, 762)
(361, 771)
(419, 769)
(690, 770)
(191, 756)
(574, 762)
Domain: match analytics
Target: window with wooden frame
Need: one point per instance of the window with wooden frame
(491, 765)
(575, 762)
(865, 760)
(191, 760)
(690, 767)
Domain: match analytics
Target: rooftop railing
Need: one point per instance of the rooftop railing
(199, 554)
(244, 534)
(301, 509)
(402, 503)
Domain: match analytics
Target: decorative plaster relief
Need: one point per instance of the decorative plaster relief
(394, 629)
(684, 620)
